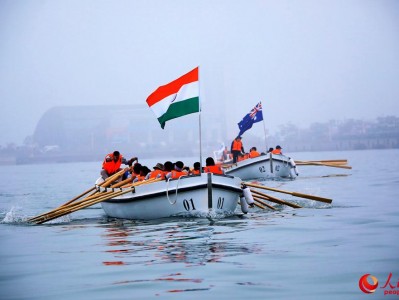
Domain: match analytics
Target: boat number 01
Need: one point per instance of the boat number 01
(220, 202)
(189, 204)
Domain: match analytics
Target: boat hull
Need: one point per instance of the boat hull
(265, 166)
(197, 196)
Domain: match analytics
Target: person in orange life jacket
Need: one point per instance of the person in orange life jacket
(253, 153)
(196, 169)
(112, 163)
(144, 171)
(270, 150)
(236, 148)
(135, 172)
(277, 150)
(242, 156)
(211, 167)
(168, 167)
(177, 172)
(158, 172)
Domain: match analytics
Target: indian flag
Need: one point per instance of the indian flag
(176, 99)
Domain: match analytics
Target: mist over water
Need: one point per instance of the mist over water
(319, 251)
(307, 62)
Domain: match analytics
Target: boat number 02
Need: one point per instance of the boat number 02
(262, 169)
(189, 204)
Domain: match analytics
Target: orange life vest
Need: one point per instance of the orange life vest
(176, 174)
(157, 172)
(111, 167)
(244, 157)
(195, 172)
(140, 177)
(253, 154)
(276, 151)
(213, 169)
(237, 145)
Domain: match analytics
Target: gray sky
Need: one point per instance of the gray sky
(307, 61)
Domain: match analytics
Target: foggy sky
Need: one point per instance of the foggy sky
(307, 61)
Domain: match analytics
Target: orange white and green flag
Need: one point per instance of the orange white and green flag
(177, 98)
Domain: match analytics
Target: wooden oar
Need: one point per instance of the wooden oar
(295, 194)
(258, 199)
(83, 205)
(108, 180)
(72, 204)
(258, 205)
(79, 196)
(322, 164)
(151, 180)
(112, 178)
(88, 199)
(121, 183)
(274, 199)
(330, 161)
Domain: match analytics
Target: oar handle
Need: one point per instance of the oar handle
(263, 203)
(321, 199)
(79, 196)
(84, 205)
(317, 198)
(276, 200)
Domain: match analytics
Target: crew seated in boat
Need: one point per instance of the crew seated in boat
(112, 164)
(177, 172)
(168, 167)
(211, 167)
(143, 174)
(196, 169)
(135, 171)
(253, 153)
(270, 150)
(157, 172)
(243, 156)
(277, 150)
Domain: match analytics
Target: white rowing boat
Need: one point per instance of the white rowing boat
(265, 166)
(198, 196)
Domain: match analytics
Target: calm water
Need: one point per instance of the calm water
(317, 252)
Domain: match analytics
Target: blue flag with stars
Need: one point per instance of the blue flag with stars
(254, 116)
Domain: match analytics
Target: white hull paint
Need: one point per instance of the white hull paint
(197, 196)
(264, 166)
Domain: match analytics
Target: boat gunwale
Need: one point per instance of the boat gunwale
(237, 167)
(165, 191)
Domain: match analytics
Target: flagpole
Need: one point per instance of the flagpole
(264, 127)
(199, 118)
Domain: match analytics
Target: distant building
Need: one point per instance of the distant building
(93, 131)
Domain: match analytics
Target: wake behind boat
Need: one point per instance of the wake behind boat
(264, 166)
(197, 196)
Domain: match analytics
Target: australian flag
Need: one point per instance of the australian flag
(255, 115)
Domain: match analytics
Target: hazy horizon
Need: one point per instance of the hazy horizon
(308, 61)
